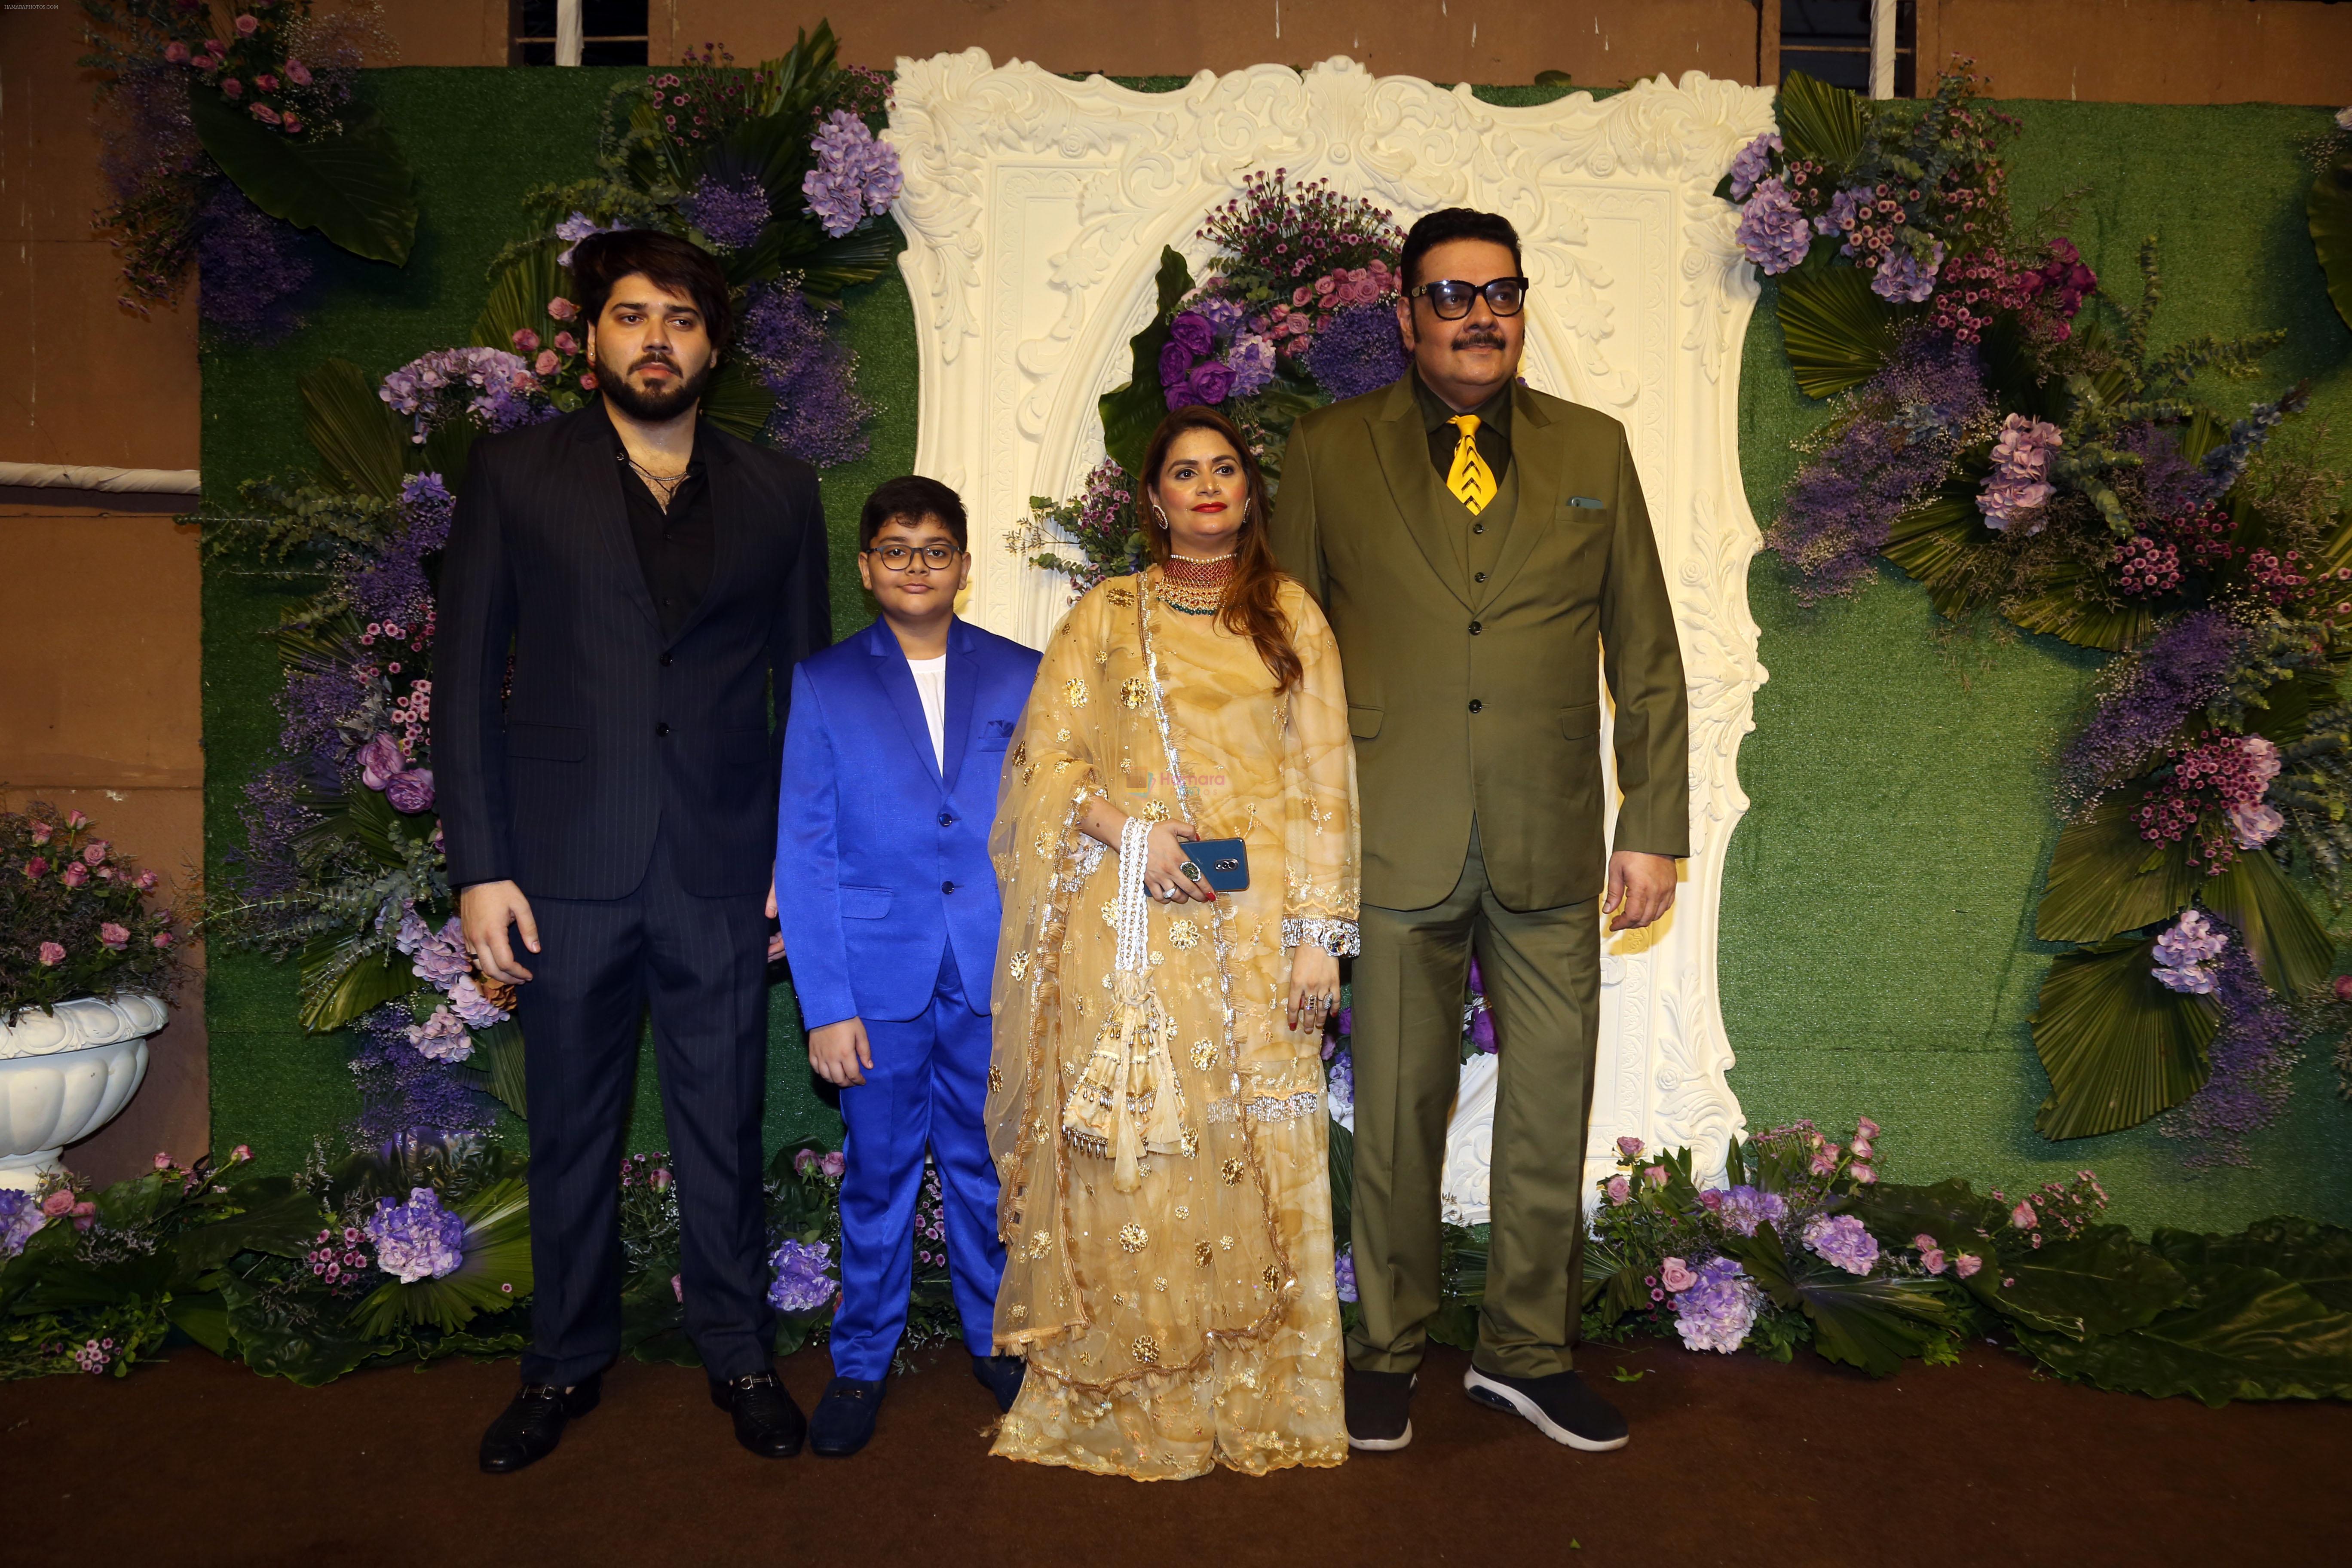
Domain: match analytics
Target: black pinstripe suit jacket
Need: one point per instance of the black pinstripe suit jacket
(559, 779)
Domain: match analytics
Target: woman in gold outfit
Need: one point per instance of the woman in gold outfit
(1156, 1104)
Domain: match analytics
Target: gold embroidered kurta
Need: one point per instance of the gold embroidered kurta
(1194, 1319)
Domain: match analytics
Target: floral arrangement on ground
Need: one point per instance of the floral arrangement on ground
(226, 138)
(2003, 429)
(775, 169)
(75, 920)
(1298, 309)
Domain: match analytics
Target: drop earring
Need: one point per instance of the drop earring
(1159, 516)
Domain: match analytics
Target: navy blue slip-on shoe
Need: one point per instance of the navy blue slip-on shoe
(844, 1422)
(1561, 1407)
(1000, 1375)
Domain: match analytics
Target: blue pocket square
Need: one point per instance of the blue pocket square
(1587, 502)
(1000, 727)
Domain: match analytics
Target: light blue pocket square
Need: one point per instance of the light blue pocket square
(1587, 502)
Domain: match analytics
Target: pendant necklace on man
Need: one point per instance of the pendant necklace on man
(1193, 586)
(663, 486)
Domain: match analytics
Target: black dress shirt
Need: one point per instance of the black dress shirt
(1494, 436)
(675, 547)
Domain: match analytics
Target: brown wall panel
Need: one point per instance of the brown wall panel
(2151, 51)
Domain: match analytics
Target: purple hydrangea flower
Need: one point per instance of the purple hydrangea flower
(1341, 1087)
(1717, 1309)
(2019, 486)
(2184, 952)
(1250, 360)
(440, 956)
(730, 214)
(802, 1284)
(1841, 1239)
(1223, 315)
(1751, 164)
(1743, 1208)
(1772, 232)
(855, 175)
(21, 1216)
(407, 1098)
(577, 227)
(1344, 1272)
(1845, 210)
(1357, 350)
(418, 1239)
(1903, 278)
(1482, 1029)
(478, 1010)
(442, 1037)
(490, 387)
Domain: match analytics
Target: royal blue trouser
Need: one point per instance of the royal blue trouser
(925, 1091)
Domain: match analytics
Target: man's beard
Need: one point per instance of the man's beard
(653, 406)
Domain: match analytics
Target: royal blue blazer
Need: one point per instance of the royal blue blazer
(882, 855)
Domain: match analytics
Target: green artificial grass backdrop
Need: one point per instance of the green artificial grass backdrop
(1876, 948)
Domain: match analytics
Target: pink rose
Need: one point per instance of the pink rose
(177, 52)
(804, 1161)
(75, 875)
(115, 937)
(658, 1179)
(297, 72)
(1675, 1275)
(547, 361)
(85, 1214)
(162, 1161)
(1825, 1160)
(41, 831)
(1861, 1147)
(1865, 1128)
(2022, 1216)
(242, 1152)
(677, 1286)
(36, 869)
(1931, 1259)
(58, 1202)
(1619, 1190)
(290, 125)
(1630, 1147)
(834, 1163)
(264, 113)
(1711, 1199)
(1655, 1175)
(247, 25)
(1862, 1173)
(1923, 1241)
(525, 341)
(1966, 1264)
(588, 381)
(162, 939)
(566, 343)
(146, 881)
(52, 954)
(76, 820)
(2343, 982)
(232, 87)
(562, 310)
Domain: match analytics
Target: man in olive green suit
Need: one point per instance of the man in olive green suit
(1484, 554)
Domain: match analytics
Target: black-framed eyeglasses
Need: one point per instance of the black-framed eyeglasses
(901, 557)
(1450, 297)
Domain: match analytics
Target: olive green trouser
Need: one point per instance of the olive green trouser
(1541, 969)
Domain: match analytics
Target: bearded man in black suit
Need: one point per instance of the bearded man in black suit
(623, 589)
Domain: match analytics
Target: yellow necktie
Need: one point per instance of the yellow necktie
(1471, 480)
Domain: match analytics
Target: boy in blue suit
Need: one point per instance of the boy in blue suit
(889, 908)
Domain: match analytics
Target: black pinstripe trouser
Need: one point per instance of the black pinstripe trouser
(700, 963)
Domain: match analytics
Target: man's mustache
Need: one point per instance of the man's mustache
(653, 357)
(1478, 337)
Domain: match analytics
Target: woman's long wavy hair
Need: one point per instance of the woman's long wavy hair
(1253, 602)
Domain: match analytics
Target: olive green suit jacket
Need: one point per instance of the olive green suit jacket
(1482, 700)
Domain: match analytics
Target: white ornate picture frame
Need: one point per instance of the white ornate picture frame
(1036, 208)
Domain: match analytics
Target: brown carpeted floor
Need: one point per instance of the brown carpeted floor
(1733, 1461)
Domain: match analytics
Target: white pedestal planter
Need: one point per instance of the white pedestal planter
(64, 1075)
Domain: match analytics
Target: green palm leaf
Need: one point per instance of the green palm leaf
(495, 1275)
(497, 1051)
(2242, 1334)
(355, 189)
(1936, 543)
(1131, 412)
(2118, 1046)
(738, 401)
(1838, 333)
(2062, 610)
(338, 987)
(2106, 878)
(1820, 121)
(361, 442)
(2291, 948)
(519, 297)
(2328, 211)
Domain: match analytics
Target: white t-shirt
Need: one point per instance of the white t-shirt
(931, 686)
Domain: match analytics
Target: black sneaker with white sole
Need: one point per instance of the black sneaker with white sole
(1380, 1410)
(1561, 1407)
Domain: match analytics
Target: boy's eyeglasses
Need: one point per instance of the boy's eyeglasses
(901, 557)
(1450, 297)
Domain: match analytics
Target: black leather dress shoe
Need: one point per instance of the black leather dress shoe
(767, 1421)
(844, 1422)
(1000, 1375)
(528, 1429)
